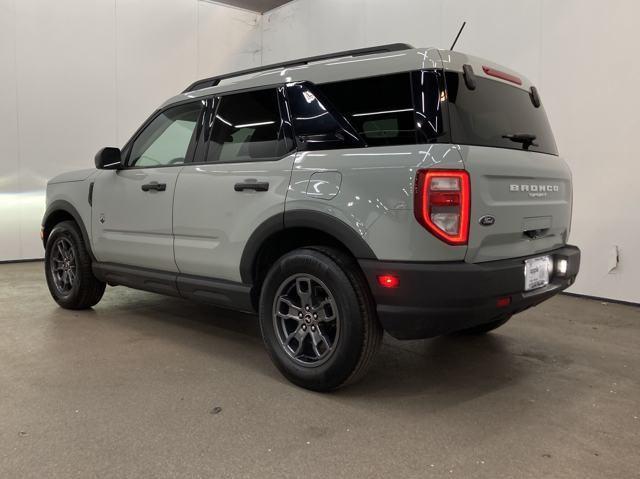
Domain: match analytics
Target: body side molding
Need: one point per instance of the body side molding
(162, 282)
(219, 292)
(225, 294)
(270, 226)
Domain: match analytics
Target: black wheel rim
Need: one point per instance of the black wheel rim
(63, 265)
(306, 320)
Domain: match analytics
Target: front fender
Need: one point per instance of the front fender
(59, 210)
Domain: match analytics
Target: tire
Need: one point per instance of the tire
(336, 289)
(68, 269)
(484, 328)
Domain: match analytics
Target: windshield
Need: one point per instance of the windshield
(498, 115)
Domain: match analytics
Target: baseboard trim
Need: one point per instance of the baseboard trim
(31, 260)
(598, 298)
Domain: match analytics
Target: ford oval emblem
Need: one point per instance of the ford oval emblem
(487, 220)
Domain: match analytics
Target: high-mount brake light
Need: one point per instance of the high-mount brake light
(441, 204)
(502, 75)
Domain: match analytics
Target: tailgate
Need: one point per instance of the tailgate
(520, 187)
(529, 196)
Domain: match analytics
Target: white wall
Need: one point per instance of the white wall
(582, 55)
(76, 75)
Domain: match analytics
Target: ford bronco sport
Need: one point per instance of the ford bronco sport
(415, 191)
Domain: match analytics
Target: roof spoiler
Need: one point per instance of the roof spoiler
(213, 81)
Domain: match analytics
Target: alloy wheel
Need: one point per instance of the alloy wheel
(64, 268)
(306, 320)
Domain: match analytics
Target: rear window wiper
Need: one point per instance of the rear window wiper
(526, 139)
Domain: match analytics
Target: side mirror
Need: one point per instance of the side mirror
(109, 158)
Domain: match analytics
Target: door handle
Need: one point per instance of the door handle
(154, 185)
(252, 185)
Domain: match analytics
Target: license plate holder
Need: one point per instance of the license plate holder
(537, 272)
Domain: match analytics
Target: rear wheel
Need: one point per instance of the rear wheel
(317, 318)
(68, 269)
(485, 328)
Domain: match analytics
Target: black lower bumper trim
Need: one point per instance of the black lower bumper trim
(440, 298)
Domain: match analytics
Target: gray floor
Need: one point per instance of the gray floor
(132, 389)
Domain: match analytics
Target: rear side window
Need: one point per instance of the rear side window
(497, 115)
(247, 127)
(380, 109)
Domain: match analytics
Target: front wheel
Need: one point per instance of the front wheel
(68, 269)
(317, 318)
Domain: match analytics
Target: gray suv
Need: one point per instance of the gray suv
(413, 191)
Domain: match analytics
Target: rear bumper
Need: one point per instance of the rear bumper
(440, 298)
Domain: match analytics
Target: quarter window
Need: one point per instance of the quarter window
(166, 139)
(380, 108)
(247, 127)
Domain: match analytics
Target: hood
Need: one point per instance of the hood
(76, 175)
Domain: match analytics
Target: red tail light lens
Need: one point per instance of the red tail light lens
(441, 204)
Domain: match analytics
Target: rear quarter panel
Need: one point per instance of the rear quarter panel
(375, 196)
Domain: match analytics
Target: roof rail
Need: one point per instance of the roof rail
(213, 81)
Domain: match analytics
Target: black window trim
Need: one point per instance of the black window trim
(445, 137)
(289, 129)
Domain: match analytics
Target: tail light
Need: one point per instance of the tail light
(441, 204)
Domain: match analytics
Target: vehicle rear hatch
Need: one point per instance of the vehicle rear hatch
(520, 187)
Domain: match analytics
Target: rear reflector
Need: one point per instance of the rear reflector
(441, 204)
(503, 302)
(388, 281)
(502, 75)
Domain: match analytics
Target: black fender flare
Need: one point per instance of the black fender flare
(63, 205)
(318, 220)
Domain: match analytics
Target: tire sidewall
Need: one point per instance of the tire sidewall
(64, 230)
(337, 368)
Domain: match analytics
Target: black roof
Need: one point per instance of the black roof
(213, 81)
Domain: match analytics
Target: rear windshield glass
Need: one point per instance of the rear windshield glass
(496, 115)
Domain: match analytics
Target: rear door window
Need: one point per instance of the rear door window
(247, 127)
(497, 115)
